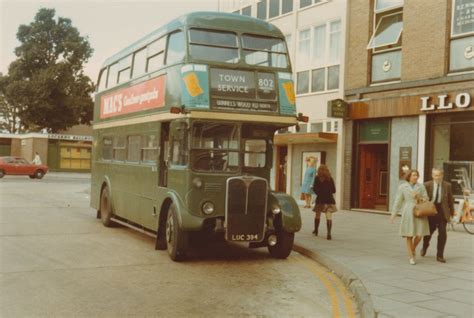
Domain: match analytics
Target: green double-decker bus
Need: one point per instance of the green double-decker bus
(184, 121)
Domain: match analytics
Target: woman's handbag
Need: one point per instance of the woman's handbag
(302, 197)
(423, 209)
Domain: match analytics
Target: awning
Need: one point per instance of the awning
(305, 138)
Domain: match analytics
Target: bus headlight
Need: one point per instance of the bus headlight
(276, 210)
(208, 208)
(197, 183)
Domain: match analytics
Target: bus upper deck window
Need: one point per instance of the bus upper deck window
(264, 51)
(213, 45)
(139, 63)
(102, 79)
(176, 48)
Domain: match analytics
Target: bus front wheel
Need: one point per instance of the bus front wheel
(283, 246)
(105, 208)
(175, 237)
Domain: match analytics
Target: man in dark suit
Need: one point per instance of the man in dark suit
(441, 195)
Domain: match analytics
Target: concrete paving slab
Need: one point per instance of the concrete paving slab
(462, 296)
(413, 311)
(410, 297)
(449, 307)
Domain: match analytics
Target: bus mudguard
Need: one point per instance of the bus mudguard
(290, 212)
(187, 221)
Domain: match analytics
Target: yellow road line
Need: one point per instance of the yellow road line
(330, 280)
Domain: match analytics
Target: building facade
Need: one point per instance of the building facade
(66, 151)
(409, 83)
(315, 36)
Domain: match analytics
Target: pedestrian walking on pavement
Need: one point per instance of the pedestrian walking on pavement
(306, 187)
(412, 228)
(37, 159)
(441, 195)
(324, 188)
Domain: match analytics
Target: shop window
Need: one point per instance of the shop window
(150, 149)
(461, 147)
(133, 149)
(462, 36)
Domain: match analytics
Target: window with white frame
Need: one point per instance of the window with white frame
(386, 40)
(288, 39)
(462, 36)
(247, 11)
(267, 9)
(307, 3)
(318, 58)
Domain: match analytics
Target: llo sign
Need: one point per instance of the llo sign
(243, 91)
(462, 100)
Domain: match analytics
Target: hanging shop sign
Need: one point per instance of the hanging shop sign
(462, 100)
(338, 108)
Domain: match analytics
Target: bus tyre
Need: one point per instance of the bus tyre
(175, 237)
(2, 173)
(105, 208)
(284, 245)
(39, 174)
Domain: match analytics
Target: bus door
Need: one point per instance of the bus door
(163, 155)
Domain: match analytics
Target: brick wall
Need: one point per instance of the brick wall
(424, 43)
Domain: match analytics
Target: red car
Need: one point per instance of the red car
(20, 166)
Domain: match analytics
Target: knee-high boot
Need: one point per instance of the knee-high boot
(329, 225)
(316, 226)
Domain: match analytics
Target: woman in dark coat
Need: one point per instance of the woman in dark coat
(324, 189)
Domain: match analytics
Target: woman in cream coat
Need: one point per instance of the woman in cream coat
(411, 227)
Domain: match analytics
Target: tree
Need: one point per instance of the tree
(10, 120)
(46, 82)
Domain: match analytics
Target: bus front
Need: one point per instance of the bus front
(237, 91)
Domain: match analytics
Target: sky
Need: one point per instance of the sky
(110, 25)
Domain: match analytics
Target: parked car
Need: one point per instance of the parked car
(20, 166)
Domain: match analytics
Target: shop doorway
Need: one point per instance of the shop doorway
(373, 176)
(282, 157)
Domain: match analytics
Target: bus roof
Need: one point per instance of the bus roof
(202, 19)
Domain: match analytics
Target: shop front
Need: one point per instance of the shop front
(387, 137)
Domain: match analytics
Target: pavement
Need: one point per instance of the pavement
(370, 257)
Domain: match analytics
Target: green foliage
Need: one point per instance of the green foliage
(46, 81)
